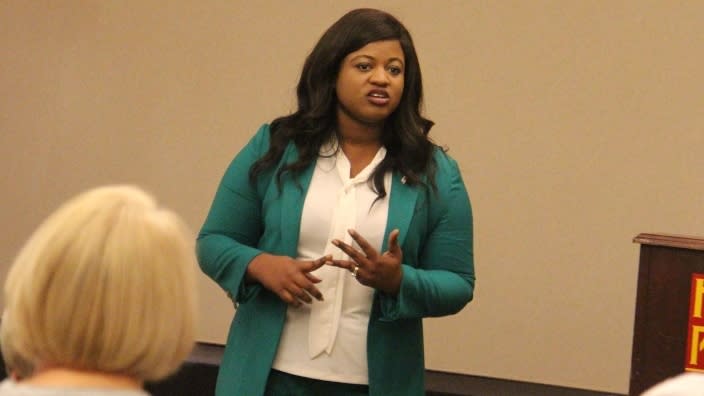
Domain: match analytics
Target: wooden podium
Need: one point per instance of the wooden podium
(662, 319)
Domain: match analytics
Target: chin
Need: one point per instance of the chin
(373, 122)
(376, 118)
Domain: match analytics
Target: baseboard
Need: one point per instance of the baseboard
(439, 383)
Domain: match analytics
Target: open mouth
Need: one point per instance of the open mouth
(378, 97)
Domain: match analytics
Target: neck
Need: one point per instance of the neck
(356, 131)
(62, 377)
(359, 141)
(359, 153)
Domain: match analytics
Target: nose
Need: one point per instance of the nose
(379, 76)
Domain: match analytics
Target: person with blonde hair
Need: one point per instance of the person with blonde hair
(101, 298)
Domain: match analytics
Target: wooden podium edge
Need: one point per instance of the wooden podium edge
(670, 240)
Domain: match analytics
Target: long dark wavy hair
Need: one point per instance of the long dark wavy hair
(405, 134)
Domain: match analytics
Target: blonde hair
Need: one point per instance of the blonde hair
(16, 366)
(106, 283)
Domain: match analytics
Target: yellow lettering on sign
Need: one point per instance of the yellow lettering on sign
(698, 297)
(697, 344)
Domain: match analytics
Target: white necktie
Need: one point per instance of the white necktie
(325, 315)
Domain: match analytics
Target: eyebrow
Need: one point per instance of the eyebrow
(372, 58)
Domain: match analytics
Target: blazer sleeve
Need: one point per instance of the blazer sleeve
(442, 282)
(227, 241)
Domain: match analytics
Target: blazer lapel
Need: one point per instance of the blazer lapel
(402, 203)
(293, 196)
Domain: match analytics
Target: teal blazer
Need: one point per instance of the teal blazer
(247, 219)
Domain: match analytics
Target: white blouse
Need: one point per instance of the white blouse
(327, 340)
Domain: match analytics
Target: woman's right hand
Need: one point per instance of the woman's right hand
(290, 279)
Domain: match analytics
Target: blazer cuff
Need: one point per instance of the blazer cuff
(246, 291)
(391, 306)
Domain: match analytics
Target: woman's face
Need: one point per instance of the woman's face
(370, 83)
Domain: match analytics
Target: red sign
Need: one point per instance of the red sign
(694, 355)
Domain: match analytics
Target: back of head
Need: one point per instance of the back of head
(106, 283)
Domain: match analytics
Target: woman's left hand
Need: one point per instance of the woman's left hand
(380, 271)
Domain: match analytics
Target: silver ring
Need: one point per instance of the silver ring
(354, 272)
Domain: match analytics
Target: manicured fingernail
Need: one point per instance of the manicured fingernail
(335, 242)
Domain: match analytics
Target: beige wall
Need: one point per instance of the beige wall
(577, 124)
